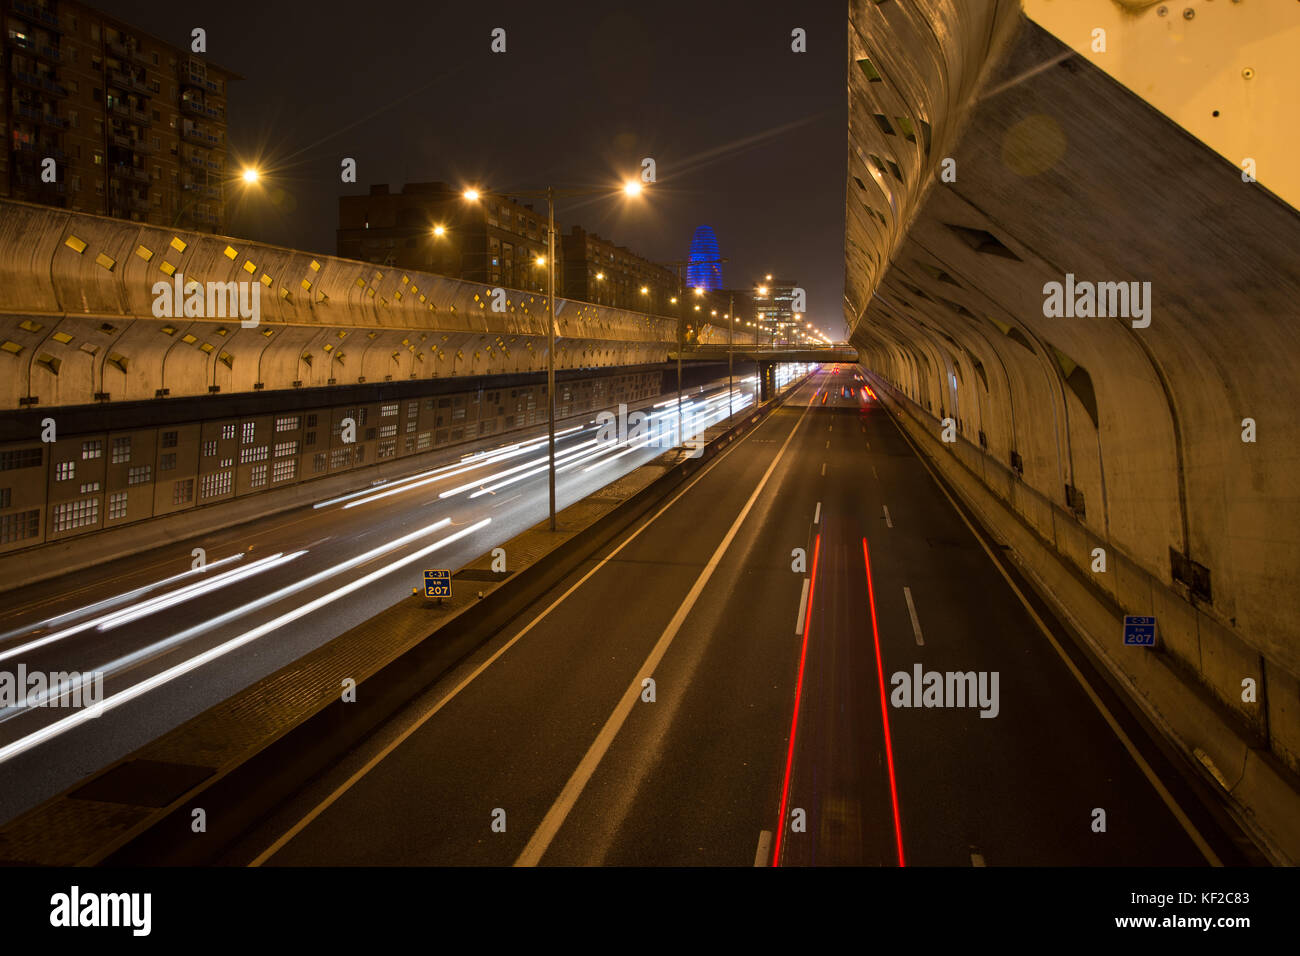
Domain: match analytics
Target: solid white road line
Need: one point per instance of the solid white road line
(568, 797)
(764, 851)
(803, 606)
(911, 609)
(424, 718)
(1168, 798)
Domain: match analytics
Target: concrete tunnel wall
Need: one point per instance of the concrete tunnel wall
(1096, 433)
(76, 318)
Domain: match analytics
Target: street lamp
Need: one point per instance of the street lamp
(630, 188)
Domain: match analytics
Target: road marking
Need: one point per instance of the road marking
(828, 444)
(873, 473)
(794, 719)
(884, 706)
(803, 604)
(889, 522)
(976, 859)
(764, 847)
(1168, 798)
(564, 803)
(451, 694)
(817, 515)
(868, 446)
(823, 469)
(911, 609)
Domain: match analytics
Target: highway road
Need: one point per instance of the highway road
(172, 642)
(698, 694)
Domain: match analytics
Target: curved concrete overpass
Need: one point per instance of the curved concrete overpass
(1153, 416)
(77, 320)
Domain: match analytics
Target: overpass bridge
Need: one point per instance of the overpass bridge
(78, 322)
(763, 353)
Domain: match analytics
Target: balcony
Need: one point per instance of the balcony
(192, 106)
(26, 181)
(128, 81)
(39, 83)
(43, 117)
(202, 190)
(37, 14)
(200, 138)
(121, 50)
(29, 153)
(120, 200)
(137, 173)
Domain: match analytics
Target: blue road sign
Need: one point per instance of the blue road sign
(1139, 631)
(437, 583)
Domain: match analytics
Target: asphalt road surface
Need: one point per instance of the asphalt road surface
(172, 642)
(699, 693)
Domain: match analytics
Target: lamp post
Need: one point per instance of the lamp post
(630, 188)
(731, 338)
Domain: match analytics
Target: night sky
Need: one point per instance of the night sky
(747, 136)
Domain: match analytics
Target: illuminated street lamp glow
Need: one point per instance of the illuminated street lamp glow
(251, 175)
(645, 291)
(439, 230)
(472, 195)
(632, 187)
(600, 275)
(540, 260)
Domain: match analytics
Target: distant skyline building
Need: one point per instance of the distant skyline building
(705, 263)
(774, 302)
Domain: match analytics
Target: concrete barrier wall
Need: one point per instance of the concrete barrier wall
(1188, 685)
(1121, 432)
(77, 304)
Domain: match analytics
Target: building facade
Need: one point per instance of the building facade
(774, 305)
(135, 126)
(596, 270)
(431, 227)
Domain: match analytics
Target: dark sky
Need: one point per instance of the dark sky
(747, 136)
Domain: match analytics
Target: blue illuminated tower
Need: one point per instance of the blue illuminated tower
(705, 268)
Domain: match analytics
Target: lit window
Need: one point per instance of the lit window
(76, 514)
